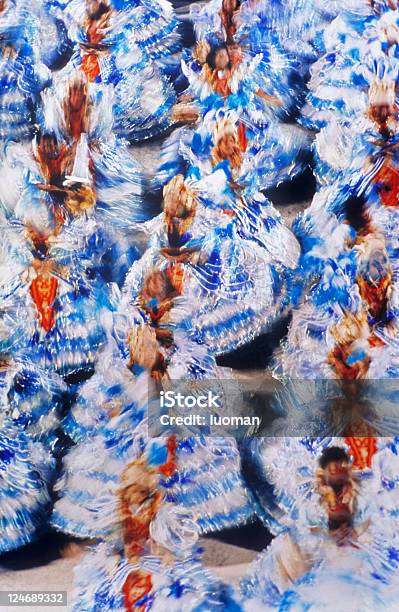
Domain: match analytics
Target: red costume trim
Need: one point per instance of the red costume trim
(375, 296)
(362, 450)
(175, 274)
(221, 85)
(43, 290)
(169, 467)
(135, 588)
(242, 137)
(90, 66)
(388, 177)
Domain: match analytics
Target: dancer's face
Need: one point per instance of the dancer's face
(173, 204)
(80, 199)
(227, 146)
(95, 8)
(222, 59)
(92, 7)
(337, 473)
(155, 287)
(230, 5)
(49, 147)
(380, 113)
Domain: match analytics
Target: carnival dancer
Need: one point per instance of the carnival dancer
(330, 543)
(263, 29)
(156, 348)
(151, 559)
(222, 268)
(251, 162)
(109, 52)
(356, 81)
(74, 170)
(49, 300)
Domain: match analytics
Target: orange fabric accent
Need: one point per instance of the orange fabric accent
(169, 467)
(137, 585)
(94, 32)
(136, 527)
(176, 276)
(221, 84)
(375, 341)
(375, 296)
(230, 213)
(90, 66)
(242, 137)
(43, 290)
(389, 188)
(362, 450)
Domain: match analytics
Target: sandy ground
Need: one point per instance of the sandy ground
(58, 574)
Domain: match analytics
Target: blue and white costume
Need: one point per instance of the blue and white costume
(58, 327)
(29, 417)
(304, 566)
(142, 93)
(173, 577)
(207, 480)
(267, 158)
(236, 279)
(23, 76)
(35, 401)
(25, 468)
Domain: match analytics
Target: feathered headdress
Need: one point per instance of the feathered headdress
(201, 51)
(382, 92)
(225, 125)
(381, 74)
(178, 188)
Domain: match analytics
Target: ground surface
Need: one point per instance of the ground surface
(49, 564)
